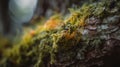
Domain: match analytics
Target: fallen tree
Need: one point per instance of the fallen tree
(88, 37)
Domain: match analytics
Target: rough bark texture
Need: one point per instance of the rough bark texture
(88, 37)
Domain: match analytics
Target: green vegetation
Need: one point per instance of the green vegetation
(62, 41)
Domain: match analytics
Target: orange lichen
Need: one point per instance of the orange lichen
(53, 23)
(32, 33)
(68, 36)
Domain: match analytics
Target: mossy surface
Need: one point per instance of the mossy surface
(71, 41)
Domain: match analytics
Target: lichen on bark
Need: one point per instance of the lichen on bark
(82, 39)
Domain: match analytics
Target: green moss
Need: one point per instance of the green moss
(45, 46)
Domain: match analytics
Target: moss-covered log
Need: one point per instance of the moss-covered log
(88, 37)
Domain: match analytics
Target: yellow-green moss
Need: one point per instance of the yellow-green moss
(56, 35)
